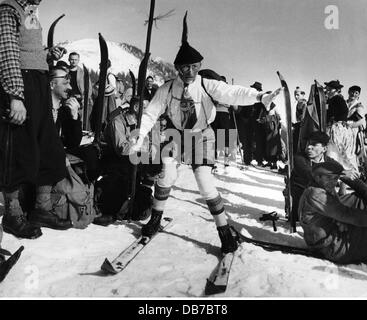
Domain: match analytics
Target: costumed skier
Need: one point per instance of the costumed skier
(190, 111)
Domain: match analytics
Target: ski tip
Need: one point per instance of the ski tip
(107, 267)
(211, 288)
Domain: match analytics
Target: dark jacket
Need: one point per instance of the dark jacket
(149, 95)
(337, 109)
(70, 130)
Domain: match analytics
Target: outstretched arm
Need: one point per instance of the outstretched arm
(238, 95)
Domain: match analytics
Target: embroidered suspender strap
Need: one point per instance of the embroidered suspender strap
(211, 98)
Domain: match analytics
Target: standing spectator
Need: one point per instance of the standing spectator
(223, 121)
(273, 145)
(357, 121)
(77, 82)
(258, 124)
(300, 108)
(38, 156)
(341, 135)
(149, 89)
(246, 127)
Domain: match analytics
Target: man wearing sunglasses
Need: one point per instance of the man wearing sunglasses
(37, 156)
(188, 103)
(65, 109)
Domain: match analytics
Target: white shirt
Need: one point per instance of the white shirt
(205, 109)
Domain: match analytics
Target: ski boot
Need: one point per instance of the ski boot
(153, 224)
(229, 241)
(226, 162)
(44, 215)
(104, 220)
(14, 220)
(48, 219)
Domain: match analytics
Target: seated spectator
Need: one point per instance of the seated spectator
(301, 175)
(335, 226)
(119, 91)
(114, 187)
(65, 109)
(69, 124)
(126, 98)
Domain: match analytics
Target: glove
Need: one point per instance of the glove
(268, 98)
(136, 145)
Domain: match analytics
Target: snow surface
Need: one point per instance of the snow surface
(179, 260)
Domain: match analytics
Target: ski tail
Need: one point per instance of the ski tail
(7, 265)
(218, 281)
(269, 246)
(128, 254)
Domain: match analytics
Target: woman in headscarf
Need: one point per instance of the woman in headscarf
(357, 121)
(341, 134)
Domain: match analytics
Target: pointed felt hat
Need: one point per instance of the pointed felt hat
(186, 54)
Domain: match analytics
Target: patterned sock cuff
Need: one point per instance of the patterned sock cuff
(215, 205)
(161, 193)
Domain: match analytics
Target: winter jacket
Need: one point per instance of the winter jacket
(70, 130)
(80, 83)
(334, 226)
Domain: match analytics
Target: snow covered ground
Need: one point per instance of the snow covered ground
(178, 261)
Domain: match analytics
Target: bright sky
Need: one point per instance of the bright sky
(247, 40)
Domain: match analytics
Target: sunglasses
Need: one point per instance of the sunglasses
(187, 67)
